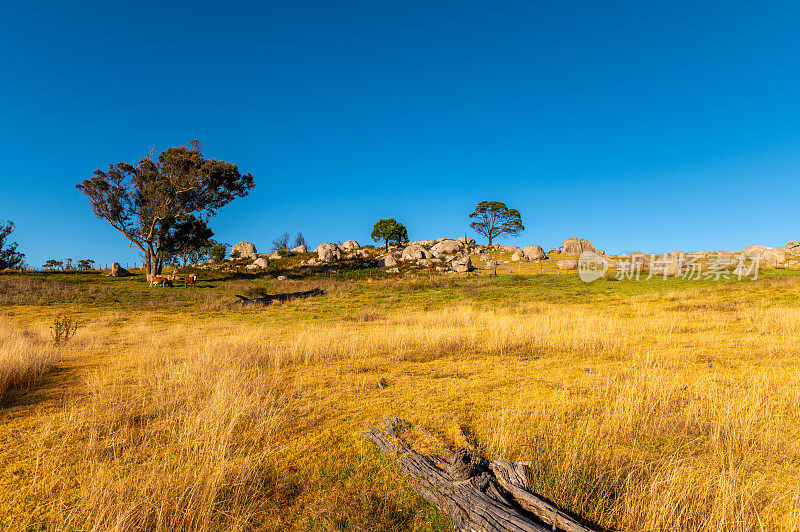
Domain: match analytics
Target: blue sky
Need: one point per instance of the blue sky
(636, 125)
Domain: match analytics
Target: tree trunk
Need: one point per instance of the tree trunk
(153, 261)
(148, 261)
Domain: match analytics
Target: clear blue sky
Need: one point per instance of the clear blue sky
(636, 125)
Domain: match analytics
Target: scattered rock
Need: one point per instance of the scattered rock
(567, 264)
(300, 249)
(534, 252)
(518, 256)
(261, 262)
(462, 265)
(554, 251)
(511, 249)
(349, 245)
(387, 261)
(118, 271)
(281, 277)
(246, 250)
(610, 262)
(382, 384)
(466, 240)
(590, 370)
(600, 251)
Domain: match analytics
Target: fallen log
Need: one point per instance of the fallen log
(476, 494)
(271, 298)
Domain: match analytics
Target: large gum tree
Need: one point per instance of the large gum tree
(147, 201)
(493, 219)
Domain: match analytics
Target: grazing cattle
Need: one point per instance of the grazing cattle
(190, 280)
(162, 280)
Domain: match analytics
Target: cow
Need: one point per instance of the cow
(190, 280)
(162, 280)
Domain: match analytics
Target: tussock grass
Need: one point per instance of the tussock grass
(24, 357)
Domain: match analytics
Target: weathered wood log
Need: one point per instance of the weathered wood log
(271, 298)
(477, 495)
(513, 478)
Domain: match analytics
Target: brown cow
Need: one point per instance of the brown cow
(190, 280)
(162, 280)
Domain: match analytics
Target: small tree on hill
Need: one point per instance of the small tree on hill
(389, 230)
(281, 243)
(9, 256)
(493, 219)
(299, 240)
(218, 251)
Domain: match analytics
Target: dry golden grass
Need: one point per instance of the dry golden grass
(687, 420)
(24, 357)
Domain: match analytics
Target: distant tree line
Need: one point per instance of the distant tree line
(69, 265)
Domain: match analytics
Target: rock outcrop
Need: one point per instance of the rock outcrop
(349, 245)
(261, 262)
(246, 250)
(573, 246)
(415, 252)
(327, 252)
(769, 257)
(466, 240)
(300, 249)
(446, 247)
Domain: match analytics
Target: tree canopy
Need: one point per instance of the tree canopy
(9, 256)
(187, 239)
(493, 219)
(389, 230)
(147, 201)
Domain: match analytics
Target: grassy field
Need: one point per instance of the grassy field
(658, 405)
